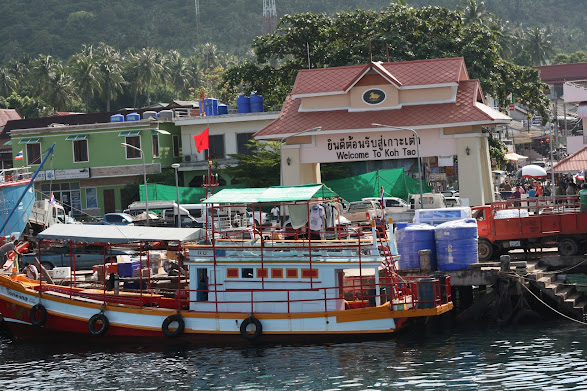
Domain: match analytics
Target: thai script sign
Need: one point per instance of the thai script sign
(372, 147)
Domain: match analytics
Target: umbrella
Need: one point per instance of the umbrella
(531, 171)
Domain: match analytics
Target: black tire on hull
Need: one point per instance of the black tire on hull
(42, 311)
(258, 328)
(168, 321)
(105, 323)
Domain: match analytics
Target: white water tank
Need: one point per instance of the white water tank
(150, 115)
(166, 115)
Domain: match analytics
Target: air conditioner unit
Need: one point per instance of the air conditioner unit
(187, 158)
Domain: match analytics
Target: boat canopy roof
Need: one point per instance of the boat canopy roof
(271, 194)
(119, 233)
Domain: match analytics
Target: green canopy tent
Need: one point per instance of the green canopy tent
(395, 184)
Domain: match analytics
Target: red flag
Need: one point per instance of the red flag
(201, 140)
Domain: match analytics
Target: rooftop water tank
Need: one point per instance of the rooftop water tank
(256, 103)
(133, 117)
(243, 104)
(166, 115)
(150, 114)
(117, 118)
(211, 106)
(222, 109)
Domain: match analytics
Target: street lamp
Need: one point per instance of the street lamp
(144, 176)
(417, 154)
(175, 166)
(281, 143)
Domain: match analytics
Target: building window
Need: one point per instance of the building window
(241, 143)
(91, 198)
(68, 193)
(247, 272)
(175, 146)
(232, 273)
(276, 273)
(309, 273)
(216, 147)
(132, 153)
(291, 273)
(33, 153)
(80, 151)
(155, 145)
(262, 273)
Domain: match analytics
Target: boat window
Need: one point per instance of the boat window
(202, 294)
(247, 272)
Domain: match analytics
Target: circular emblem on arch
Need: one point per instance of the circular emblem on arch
(373, 96)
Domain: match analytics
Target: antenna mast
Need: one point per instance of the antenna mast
(269, 16)
(197, 5)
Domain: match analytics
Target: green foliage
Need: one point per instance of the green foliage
(264, 158)
(27, 107)
(579, 56)
(497, 151)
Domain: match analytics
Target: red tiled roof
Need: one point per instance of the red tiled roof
(573, 163)
(464, 110)
(420, 72)
(550, 74)
(7, 115)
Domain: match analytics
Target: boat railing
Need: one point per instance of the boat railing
(15, 174)
(409, 293)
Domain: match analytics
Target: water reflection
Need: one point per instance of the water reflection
(546, 356)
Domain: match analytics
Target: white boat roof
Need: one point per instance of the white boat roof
(119, 233)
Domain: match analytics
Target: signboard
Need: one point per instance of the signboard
(75, 173)
(374, 96)
(445, 161)
(537, 120)
(512, 107)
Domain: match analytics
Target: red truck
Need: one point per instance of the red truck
(531, 223)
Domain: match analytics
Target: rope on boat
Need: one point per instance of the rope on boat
(567, 268)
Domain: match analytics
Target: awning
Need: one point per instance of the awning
(271, 194)
(29, 140)
(130, 133)
(89, 233)
(8, 142)
(515, 156)
(76, 137)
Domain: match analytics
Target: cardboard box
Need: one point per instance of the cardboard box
(61, 272)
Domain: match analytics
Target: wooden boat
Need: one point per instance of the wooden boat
(236, 288)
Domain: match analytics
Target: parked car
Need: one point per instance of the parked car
(117, 219)
(430, 201)
(392, 204)
(363, 211)
(451, 198)
(84, 257)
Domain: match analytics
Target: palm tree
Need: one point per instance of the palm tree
(145, 67)
(539, 45)
(84, 69)
(61, 88)
(8, 82)
(474, 11)
(176, 71)
(110, 72)
(43, 70)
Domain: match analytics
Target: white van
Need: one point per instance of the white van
(430, 201)
(391, 204)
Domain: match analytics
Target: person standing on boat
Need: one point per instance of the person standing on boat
(583, 198)
(274, 215)
(5, 249)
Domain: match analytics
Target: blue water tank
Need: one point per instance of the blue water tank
(401, 225)
(117, 118)
(256, 103)
(410, 240)
(243, 104)
(211, 106)
(133, 117)
(456, 244)
(222, 109)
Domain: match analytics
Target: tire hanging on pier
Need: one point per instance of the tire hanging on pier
(103, 321)
(254, 334)
(176, 331)
(42, 315)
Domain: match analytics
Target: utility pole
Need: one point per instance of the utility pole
(269, 16)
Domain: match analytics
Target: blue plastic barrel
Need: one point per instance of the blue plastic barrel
(256, 103)
(243, 104)
(222, 109)
(211, 106)
(401, 225)
(410, 240)
(456, 244)
(133, 117)
(117, 118)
